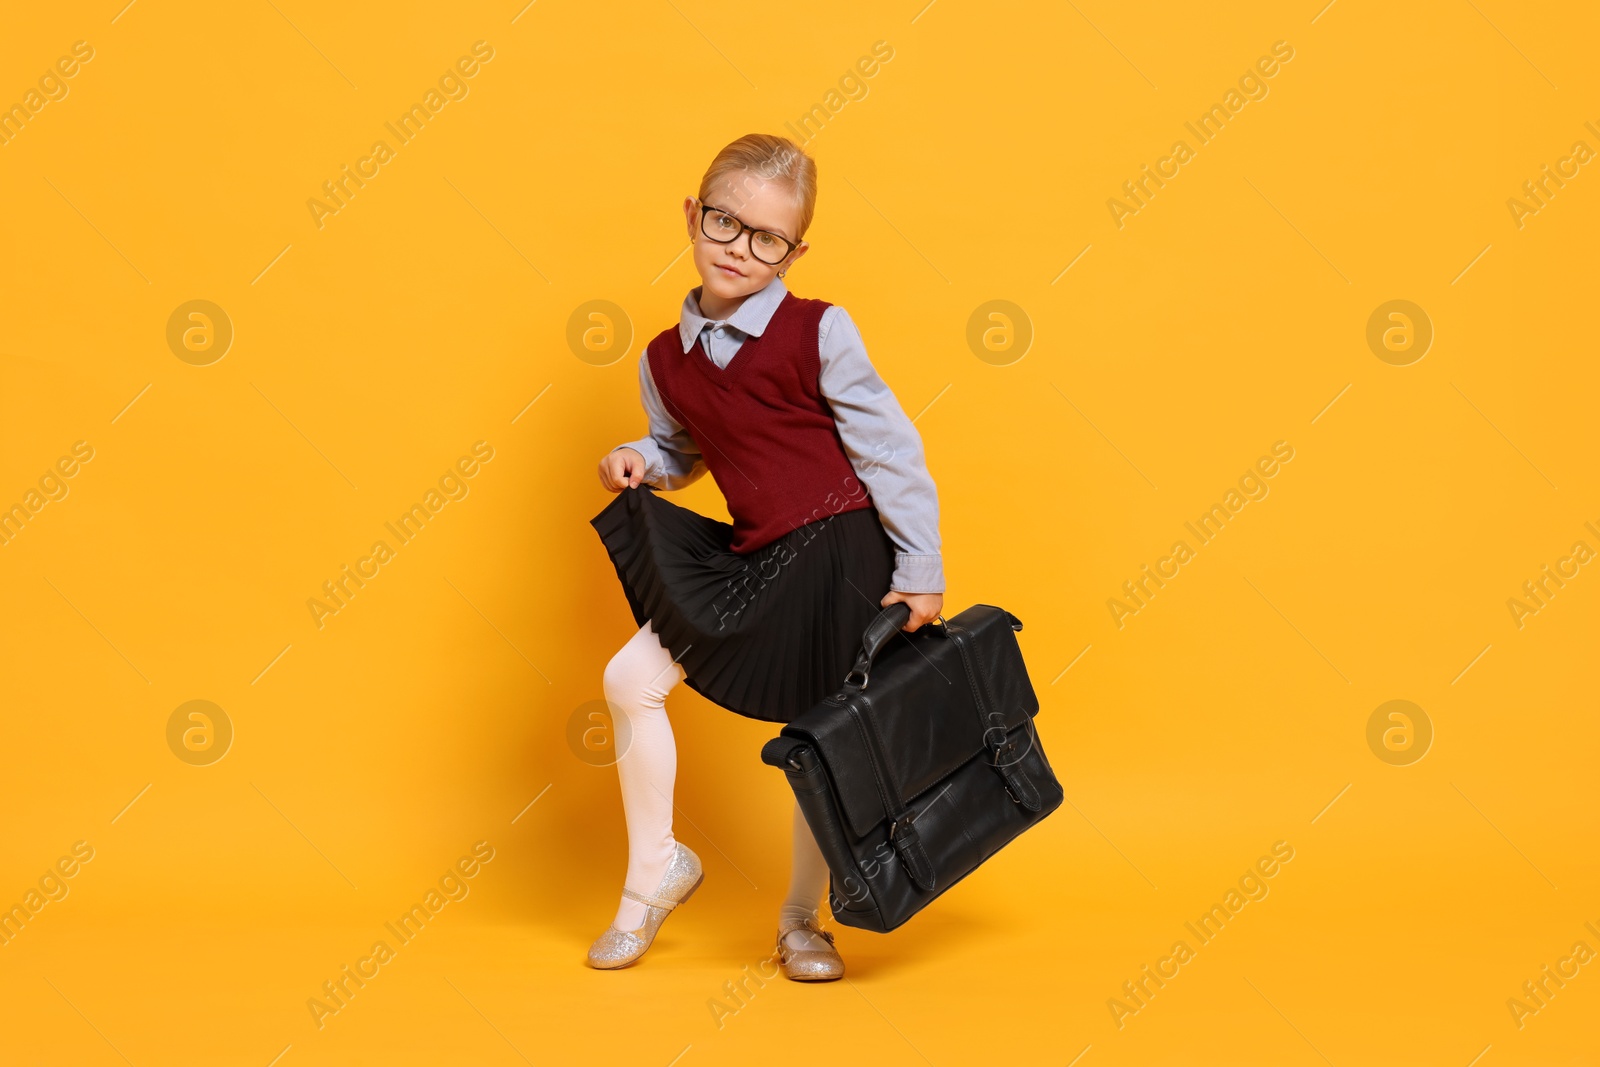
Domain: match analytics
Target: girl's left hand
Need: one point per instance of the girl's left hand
(925, 607)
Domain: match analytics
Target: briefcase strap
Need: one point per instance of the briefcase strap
(902, 828)
(1002, 750)
(777, 753)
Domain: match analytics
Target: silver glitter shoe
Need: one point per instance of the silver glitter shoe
(618, 948)
(808, 965)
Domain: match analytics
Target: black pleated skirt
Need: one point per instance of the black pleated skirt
(767, 633)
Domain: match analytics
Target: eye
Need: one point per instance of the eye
(722, 221)
(767, 240)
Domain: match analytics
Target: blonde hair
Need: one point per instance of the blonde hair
(770, 158)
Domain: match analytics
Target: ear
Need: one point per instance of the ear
(691, 208)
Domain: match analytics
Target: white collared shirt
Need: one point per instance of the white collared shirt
(883, 446)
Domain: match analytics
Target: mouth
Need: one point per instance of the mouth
(730, 270)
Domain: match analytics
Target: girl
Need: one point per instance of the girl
(834, 518)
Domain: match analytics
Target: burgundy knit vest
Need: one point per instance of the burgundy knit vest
(763, 426)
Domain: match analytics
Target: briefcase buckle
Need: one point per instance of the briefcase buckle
(905, 820)
(1014, 798)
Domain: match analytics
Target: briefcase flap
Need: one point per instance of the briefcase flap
(922, 711)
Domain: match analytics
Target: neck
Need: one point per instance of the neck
(715, 307)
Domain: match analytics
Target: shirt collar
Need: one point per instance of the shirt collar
(749, 318)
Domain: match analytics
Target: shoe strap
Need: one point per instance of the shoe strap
(654, 902)
(808, 923)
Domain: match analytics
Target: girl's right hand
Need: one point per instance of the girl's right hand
(622, 468)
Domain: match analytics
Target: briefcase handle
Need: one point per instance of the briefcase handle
(876, 635)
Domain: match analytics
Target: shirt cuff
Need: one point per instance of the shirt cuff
(654, 463)
(917, 574)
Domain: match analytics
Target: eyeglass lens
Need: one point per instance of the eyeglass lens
(720, 226)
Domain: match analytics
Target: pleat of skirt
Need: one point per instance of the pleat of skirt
(768, 633)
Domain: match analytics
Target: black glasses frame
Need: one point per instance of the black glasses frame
(790, 246)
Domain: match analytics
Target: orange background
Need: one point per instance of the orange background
(433, 311)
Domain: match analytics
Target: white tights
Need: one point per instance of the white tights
(637, 681)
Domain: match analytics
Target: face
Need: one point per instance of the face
(729, 272)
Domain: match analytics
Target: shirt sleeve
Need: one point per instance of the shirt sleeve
(672, 459)
(886, 452)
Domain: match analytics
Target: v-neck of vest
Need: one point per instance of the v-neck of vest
(723, 376)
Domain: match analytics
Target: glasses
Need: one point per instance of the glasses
(770, 248)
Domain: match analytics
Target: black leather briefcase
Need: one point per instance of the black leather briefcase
(922, 765)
